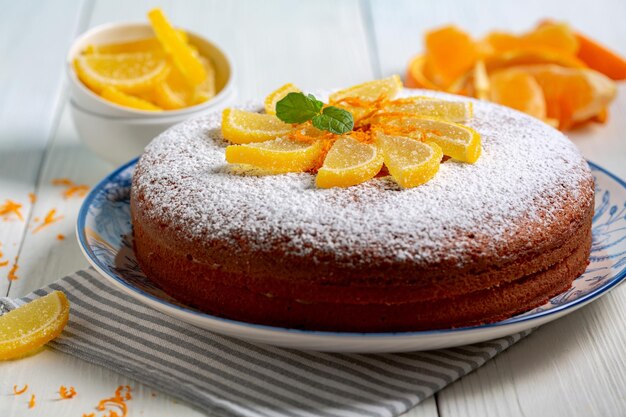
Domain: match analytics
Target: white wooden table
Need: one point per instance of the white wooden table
(572, 367)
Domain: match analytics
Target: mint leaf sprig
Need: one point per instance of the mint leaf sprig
(300, 108)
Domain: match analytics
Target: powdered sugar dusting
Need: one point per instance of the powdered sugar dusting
(527, 170)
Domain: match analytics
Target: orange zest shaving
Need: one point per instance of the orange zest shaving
(11, 207)
(31, 403)
(32, 197)
(48, 220)
(89, 415)
(122, 394)
(4, 263)
(65, 393)
(72, 189)
(20, 391)
(11, 275)
(60, 237)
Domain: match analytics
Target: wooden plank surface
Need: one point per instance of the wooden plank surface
(572, 367)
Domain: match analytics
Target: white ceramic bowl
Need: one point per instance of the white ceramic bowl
(118, 133)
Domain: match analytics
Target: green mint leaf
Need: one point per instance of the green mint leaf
(297, 108)
(334, 120)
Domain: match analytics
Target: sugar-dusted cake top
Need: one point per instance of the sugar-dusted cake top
(530, 180)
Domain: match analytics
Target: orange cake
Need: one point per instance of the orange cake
(477, 243)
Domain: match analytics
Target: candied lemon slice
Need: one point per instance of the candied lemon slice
(349, 162)
(457, 141)
(182, 54)
(129, 73)
(137, 45)
(239, 126)
(114, 95)
(175, 92)
(33, 325)
(277, 95)
(410, 162)
(277, 156)
(454, 111)
(206, 89)
(371, 90)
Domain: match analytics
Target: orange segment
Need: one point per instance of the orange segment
(410, 162)
(600, 58)
(180, 52)
(129, 73)
(532, 56)
(416, 77)
(116, 96)
(349, 162)
(555, 36)
(240, 126)
(277, 156)
(450, 53)
(518, 89)
(33, 325)
(277, 95)
(573, 95)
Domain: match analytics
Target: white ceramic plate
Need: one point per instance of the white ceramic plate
(104, 235)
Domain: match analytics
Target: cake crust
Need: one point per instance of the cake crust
(476, 244)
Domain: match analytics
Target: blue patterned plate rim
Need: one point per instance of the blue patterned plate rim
(87, 250)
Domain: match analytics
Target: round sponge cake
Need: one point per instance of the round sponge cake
(478, 243)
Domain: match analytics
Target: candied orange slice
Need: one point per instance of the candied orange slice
(369, 91)
(410, 162)
(519, 90)
(114, 95)
(129, 73)
(572, 95)
(181, 53)
(349, 162)
(277, 156)
(454, 111)
(33, 325)
(277, 95)
(239, 126)
(450, 53)
(457, 141)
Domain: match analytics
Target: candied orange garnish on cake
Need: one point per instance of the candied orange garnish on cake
(410, 162)
(456, 141)
(278, 155)
(277, 95)
(349, 162)
(357, 98)
(454, 111)
(239, 126)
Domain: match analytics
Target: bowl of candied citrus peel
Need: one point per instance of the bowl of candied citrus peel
(361, 132)
(552, 72)
(131, 81)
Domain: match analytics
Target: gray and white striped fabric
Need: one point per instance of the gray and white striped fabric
(230, 377)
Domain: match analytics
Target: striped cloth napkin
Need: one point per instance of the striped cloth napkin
(229, 377)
